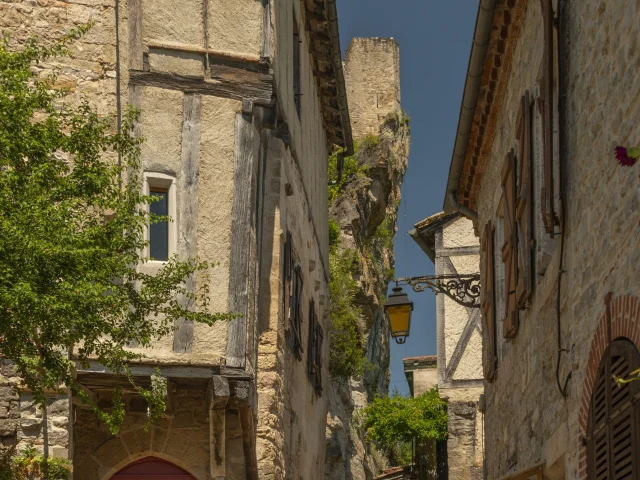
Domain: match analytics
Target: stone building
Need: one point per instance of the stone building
(421, 373)
(552, 89)
(449, 241)
(242, 101)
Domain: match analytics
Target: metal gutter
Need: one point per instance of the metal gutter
(332, 16)
(481, 36)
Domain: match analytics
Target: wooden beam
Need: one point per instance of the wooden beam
(256, 87)
(219, 393)
(248, 442)
(136, 47)
(242, 237)
(188, 238)
(213, 53)
(146, 370)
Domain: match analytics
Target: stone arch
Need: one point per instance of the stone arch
(151, 465)
(141, 457)
(620, 320)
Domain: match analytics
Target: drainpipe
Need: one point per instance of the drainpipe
(481, 36)
(466, 211)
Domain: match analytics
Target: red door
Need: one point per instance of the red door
(152, 468)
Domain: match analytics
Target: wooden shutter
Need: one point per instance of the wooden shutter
(286, 276)
(509, 247)
(311, 342)
(613, 437)
(524, 199)
(546, 104)
(488, 306)
(296, 322)
(319, 334)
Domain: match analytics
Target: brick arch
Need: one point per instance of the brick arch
(621, 319)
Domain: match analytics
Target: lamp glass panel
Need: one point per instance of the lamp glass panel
(399, 318)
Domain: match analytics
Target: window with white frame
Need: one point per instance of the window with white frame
(161, 232)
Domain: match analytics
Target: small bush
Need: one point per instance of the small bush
(347, 357)
(29, 464)
(350, 169)
(334, 234)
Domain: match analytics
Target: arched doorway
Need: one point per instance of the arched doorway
(152, 468)
(613, 435)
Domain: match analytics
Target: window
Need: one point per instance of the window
(297, 76)
(314, 350)
(613, 432)
(159, 231)
(293, 284)
(161, 235)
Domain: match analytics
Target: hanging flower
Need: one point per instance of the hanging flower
(627, 157)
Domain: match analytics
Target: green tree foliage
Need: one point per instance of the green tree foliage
(350, 168)
(394, 419)
(72, 226)
(347, 350)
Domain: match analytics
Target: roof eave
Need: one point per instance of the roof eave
(481, 36)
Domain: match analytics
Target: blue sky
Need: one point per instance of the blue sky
(435, 41)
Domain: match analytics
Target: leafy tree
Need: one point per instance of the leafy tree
(72, 226)
(394, 419)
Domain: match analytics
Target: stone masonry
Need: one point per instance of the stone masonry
(528, 422)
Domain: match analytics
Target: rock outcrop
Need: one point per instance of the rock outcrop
(366, 210)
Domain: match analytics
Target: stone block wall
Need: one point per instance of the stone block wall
(372, 74)
(21, 419)
(527, 419)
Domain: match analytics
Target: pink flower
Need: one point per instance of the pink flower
(623, 157)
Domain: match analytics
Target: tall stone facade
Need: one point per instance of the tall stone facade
(368, 202)
(241, 103)
(450, 243)
(571, 67)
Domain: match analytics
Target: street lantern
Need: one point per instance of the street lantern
(399, 308)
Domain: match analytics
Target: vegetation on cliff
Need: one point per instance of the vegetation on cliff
(347, 350)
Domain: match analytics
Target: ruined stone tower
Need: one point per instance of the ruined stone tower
(372, 73)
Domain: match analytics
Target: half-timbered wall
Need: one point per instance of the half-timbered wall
(459, 331)
(213, 116)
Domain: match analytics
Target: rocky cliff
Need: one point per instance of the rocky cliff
(365, 207)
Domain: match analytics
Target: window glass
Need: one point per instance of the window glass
(159, 231)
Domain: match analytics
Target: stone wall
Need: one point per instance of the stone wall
(372, 73)
(21, 419)
(527, 419)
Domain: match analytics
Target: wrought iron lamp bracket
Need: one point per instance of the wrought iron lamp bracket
(463, 289)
